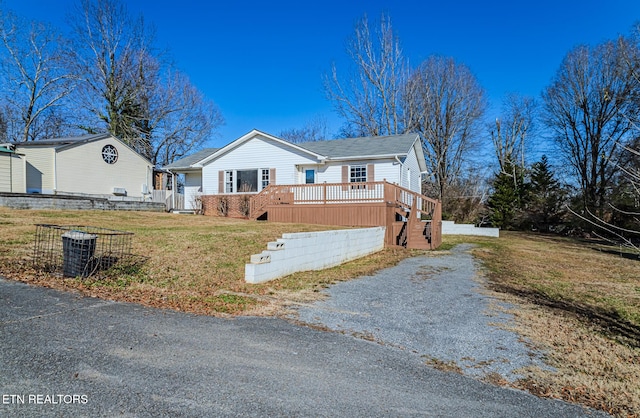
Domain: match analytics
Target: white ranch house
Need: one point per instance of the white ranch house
(257, 159)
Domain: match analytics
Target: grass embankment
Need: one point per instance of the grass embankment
(194, 263)
(579, 302)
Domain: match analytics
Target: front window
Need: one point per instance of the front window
(358, 174)
(247, 181)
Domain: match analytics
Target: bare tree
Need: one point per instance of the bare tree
(4, 125)
(511, 132)
(313, 130)
(589, 107)
(127, 88)
(35, 78)
(110, 57)
(370, 100)
(446, 103)
(179, 119)
(441, 100)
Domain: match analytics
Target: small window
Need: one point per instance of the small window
(265, 177)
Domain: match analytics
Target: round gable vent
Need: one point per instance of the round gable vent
(109, 154)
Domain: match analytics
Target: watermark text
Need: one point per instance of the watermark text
(42, 399)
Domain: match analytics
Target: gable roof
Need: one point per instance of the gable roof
(190, 160)
(336, 149)
(254, 133)
(363, 147)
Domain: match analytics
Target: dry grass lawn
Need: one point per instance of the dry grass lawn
(577, 301)
(580, 303)
(195, 263)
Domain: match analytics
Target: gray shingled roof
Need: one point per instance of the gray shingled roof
(332, 149)
(63, 141)
(187, 161)
(365, 146)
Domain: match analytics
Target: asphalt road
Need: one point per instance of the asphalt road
(66, 355)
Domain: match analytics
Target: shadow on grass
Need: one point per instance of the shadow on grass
(620, 253)
(609, 323)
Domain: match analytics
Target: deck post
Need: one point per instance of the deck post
(324, 193)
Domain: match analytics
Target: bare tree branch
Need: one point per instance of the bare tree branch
(36, 79)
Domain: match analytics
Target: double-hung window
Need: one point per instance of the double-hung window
(265, 177)
(358, 174)
(228, 181)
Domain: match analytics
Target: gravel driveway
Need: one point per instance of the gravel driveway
(433, 306)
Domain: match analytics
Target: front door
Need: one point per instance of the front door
(309, 176)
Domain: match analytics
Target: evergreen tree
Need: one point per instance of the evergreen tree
(547, 198)
(509, 197)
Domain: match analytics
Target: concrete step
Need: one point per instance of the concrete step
(183, 212)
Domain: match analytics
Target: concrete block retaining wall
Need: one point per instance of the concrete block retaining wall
(451, 228)
(45, 201)
(312, 251)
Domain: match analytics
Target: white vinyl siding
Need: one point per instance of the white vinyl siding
(81, 169)
(412, 181)
(39, 168)
(18, 180)
(6, 172)
(383, 170)
(257, 153)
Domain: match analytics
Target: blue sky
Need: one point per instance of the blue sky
(263, 62)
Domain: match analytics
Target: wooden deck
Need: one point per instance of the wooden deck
(412, 220)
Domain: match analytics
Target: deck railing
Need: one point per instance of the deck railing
(336, 193)
(426, 207)
(323, 193)
(328, 193)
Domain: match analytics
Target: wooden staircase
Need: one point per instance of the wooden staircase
(416, 232)
(270, 195)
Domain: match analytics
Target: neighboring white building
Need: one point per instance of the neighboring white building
(12, 171)
(257, 159)
(98, 165)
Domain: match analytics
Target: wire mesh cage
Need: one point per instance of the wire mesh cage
(80, 251)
